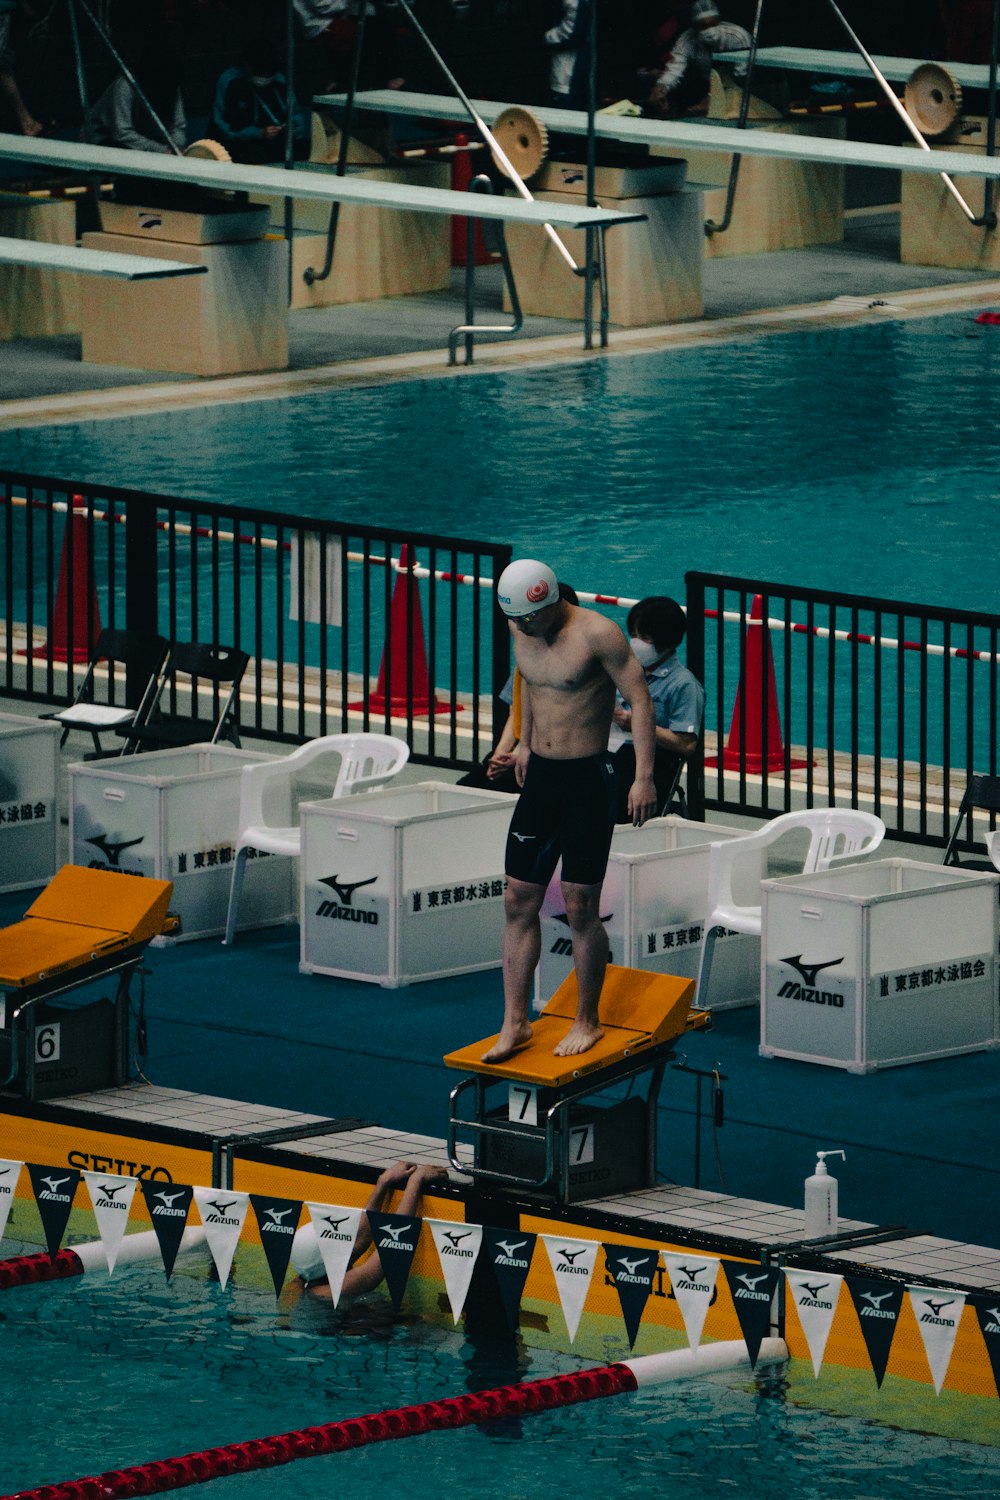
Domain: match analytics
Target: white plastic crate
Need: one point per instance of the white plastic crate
(174, 815)
(29, 812)
(881, 963)
(653, 905)
(403, 884)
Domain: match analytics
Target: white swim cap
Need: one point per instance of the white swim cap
(525, 587)
(305, 1257)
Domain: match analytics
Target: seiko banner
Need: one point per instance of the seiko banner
(457, 1247)
(815, 1296)
(336, 1231)
(572, 1264)
(395, 1237)
(168, 1204)
(222, 1214)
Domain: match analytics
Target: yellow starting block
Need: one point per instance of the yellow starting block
(85, 926)
(548, 1140)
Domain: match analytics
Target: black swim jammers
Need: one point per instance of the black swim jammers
(566, 807)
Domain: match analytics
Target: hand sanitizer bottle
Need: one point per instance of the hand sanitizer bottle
(821, 1198)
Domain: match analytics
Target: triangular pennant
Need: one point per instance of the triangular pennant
(572, 1264)
(877, 1305)
(167, 1204)
(10, 1172)
(632, 1270)
(692, 1281)
(277, 1220)
(752, 1289)
(395, 1237)
(988, 1313)
(938, 1314)
(112, 1199)
(509, 1252)
(815, 1296)
(457, 1247)
(54, 1189)
(335, 1231)
(222, 1213)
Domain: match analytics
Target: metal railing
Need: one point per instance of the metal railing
(817, 698)
(349, 626)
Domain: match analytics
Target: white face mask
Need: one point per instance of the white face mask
(644, 652)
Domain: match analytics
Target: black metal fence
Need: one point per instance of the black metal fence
(350, 626)
(816, 698)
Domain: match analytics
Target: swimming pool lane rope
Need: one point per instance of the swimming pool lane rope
(407, 1421)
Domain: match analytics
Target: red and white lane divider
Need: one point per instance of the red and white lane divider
(407, 1421)
(29, 1270)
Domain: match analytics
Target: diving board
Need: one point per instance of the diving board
(686, 135)
(852, 65)
(50, 257)
(297, 183)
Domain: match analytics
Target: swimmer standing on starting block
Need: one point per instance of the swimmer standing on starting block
(571, 660)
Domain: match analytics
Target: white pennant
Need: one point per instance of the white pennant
(938, 1314)
(692, 1280)
(457, 1247)
(336, 1231)
(112, 1199)
(815, 1296)
(222, 1213)
(10, 1171)
(572, 1264)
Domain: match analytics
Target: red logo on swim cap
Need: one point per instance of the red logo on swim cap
(537, 592)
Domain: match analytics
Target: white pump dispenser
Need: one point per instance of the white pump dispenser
(821, 1198)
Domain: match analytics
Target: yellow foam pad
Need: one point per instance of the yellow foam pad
(638, 1010)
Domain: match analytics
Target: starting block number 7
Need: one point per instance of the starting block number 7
(522, 1104)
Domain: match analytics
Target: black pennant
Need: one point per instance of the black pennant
(877, 1305)
(509, 1253)
(988, 1313)
(395, 1237)
(54, 1189)
(752, 1288)
(632, 1271)
(277, 1220)
(167, 1204)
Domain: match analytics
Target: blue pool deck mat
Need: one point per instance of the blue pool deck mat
(42, 257)
(853, 65)
(298, 183)
(684, 135)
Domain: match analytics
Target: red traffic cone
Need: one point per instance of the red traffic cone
(461, 176)
(758, 681)
(73, 639)
(409, 687)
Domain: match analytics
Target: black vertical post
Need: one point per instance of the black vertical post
(141, 603)
(696, 663)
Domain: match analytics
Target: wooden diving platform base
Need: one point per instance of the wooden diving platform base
(639, 1010)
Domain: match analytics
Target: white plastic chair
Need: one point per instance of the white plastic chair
(365, 761)
(837, 835)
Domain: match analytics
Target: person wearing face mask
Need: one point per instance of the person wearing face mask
(656, 628)
(683, 86)
(250, 109)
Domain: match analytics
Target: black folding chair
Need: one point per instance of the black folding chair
(982, 793)
(142, 656)
(165, 727)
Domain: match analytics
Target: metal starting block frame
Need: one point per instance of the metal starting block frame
(548, 1141)
(85, 926)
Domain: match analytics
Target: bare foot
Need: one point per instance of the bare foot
(580, 1038)
(510, 1040)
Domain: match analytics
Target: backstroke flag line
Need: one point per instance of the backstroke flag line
(572, 1264)
(336, 1231)
(111, 1197)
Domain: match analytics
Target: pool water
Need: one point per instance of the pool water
(117, 1372)
(862, 459)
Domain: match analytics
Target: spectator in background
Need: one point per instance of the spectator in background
(656, 627)
(119, 117)
(683, 86)
(568, 46)
(331, 26)
(249, 110)
(26, 122)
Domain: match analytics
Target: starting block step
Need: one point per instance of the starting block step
(639, 1011)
